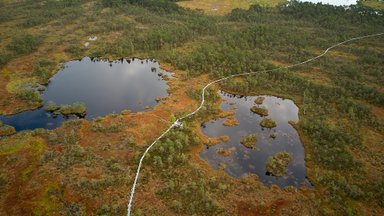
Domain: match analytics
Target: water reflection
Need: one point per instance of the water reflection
(104, 86)
(243, 160)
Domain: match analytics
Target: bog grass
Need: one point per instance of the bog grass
(19, 142)
(375, 4)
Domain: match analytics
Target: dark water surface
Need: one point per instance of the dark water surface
(243, 160)
(105, 87)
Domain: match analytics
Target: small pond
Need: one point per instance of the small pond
(243, 160)
(103, 86)
(333, 2)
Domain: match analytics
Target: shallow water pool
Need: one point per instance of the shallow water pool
(242, 160)
(105, 87)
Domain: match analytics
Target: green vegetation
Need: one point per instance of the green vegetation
(249, 141)
(277, 164)
(330, 145)
(24, 90)
(43, 70)
(30, 96)
(74, 109)
(173, 118)
(24, 44)
(273, 135)
(4, 59)
(21, 141)
(259, 100)
(51, 107)
(6, 130)
(78, 109)
(3, 183)
(262, 111)
(183, 191)
(268, 123)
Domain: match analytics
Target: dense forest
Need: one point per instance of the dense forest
(87, 167)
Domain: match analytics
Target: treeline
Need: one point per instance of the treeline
(262, 32)
(318, 98)
(330, 16)
(49, 10)
(219, 60)
(164, 36)
(161, 6)
(34, 15)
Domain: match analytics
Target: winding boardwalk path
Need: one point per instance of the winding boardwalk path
(178, 121)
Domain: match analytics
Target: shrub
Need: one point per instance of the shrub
(47, 156)
(277, 164)
(42, 72)
(51, 107)
(113, 165)
(33, 21)
(6, 130)
(329, 145)
(3, 59)
(163, 6)
(4, 17)
(249, 141)
(78, 109)
(259, 100)
(112, 3)
(268, 123)
(262, 111)
(24, 44)
(110, 128)
(379, 192)
(3, 183)
(53, 138)
(29, 95)
(74, 49)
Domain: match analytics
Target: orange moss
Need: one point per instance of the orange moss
(231, 121)
(225, 152)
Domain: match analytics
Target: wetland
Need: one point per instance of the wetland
(252, 158)
(103, 87)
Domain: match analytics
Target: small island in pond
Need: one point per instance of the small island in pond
(249, 141)
(277, 164)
